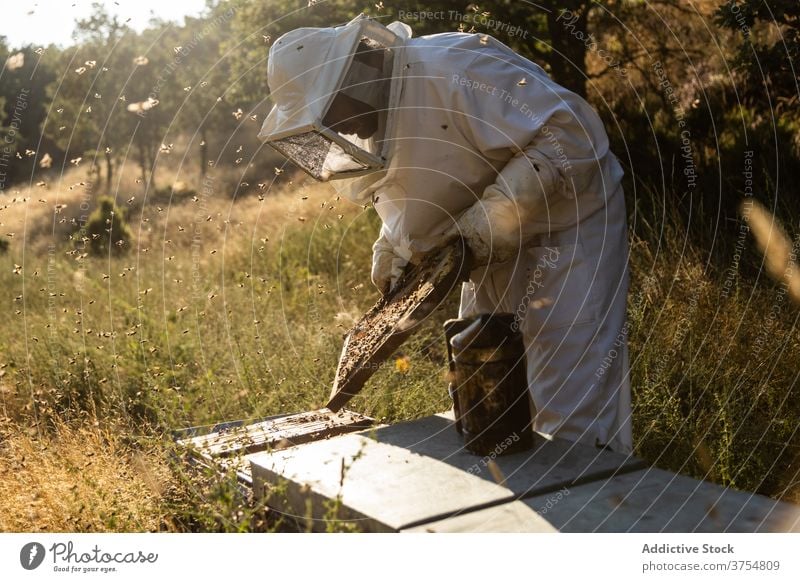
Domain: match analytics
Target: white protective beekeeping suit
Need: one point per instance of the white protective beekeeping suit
(477, 139)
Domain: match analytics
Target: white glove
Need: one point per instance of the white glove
(388, 262)
(512, 210)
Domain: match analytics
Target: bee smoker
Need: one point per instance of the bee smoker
(451, 328)
(489, 384)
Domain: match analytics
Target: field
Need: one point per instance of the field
(222, 308)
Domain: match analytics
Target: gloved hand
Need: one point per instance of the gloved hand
(388, 262)
(512, 210)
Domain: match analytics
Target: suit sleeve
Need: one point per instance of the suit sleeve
(555, 147)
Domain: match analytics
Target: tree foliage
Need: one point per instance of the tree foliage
(118, 95)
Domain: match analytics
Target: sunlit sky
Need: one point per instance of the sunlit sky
(41, 22)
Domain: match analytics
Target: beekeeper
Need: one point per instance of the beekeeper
(456, 133)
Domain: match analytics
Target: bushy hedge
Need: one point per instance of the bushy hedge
(106, 229)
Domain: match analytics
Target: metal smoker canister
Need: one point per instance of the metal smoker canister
(491, 398)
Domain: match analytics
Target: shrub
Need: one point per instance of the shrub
(107, 229)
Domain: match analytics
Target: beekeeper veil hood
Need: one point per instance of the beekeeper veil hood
(333, 92)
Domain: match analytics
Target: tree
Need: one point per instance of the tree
(767, 89)
(89, 118)
(23, 107)
(567, 26)
(104, 37)
(769, 52)
(202, 81)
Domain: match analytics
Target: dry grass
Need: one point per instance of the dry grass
(80, 479)
(780, 257)
(189, 327)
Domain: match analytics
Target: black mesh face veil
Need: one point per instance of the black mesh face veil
(367, 82)
(320, 156)
(332, 105)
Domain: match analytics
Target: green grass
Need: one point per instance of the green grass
(237, 310)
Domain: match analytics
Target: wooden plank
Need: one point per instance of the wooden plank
(223, 447)
(396, 316)
(654, 500)
(549, 466)
(278, 432)
(184, 434)
(377, 486)
(514, 517)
